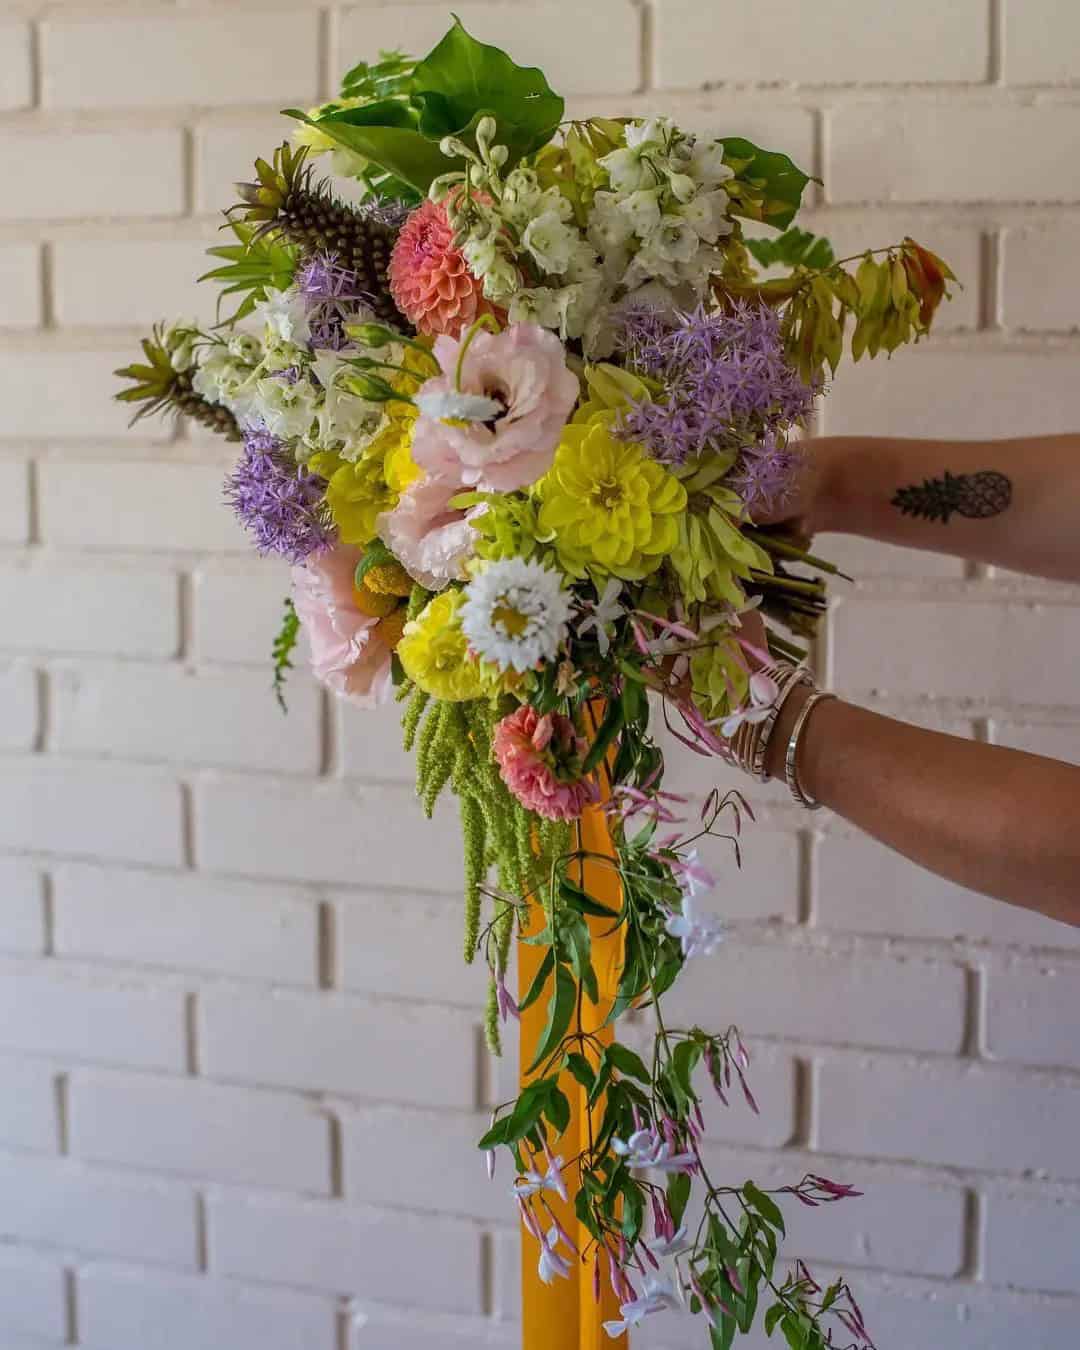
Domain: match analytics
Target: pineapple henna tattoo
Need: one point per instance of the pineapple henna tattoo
(977, 496)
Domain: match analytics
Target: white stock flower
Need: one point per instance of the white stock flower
(549, 241)
(705, 215)
(609, 226)
(515, 614)
(706, 163)
(642, 209)
(285, 315)
(287, 409)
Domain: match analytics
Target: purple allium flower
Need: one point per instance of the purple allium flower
(277, 500)
(728, 385)
(333, 297)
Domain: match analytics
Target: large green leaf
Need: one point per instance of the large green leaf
(462, 79)
(780, 182)
(386, 133)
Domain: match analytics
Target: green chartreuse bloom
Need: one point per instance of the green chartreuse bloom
(608, 508)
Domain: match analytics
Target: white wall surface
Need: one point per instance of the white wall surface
(239, 1078)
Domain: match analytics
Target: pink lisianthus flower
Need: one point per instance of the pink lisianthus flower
(523, 370)
(429, 537)
(540, 762)
(348, 655)
(429, 278)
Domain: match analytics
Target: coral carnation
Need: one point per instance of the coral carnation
(540, 761)
(429, 278)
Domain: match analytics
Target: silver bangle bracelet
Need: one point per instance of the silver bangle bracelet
(791, 767)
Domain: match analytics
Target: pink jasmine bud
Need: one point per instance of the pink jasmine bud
(733, 1278)
(699, 1114)
(649, 1256)
(744, 1054)
(748, 1095)
(563, 1234)
(529, 1220)
(805, 1200)
(596, 1279)
(706, 1306)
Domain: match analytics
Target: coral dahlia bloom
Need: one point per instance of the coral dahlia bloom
(350, 651)
(523, 372)
(429, 278)
(540, 762)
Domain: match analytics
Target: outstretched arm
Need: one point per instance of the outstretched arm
(991, 819)
(1015, 503)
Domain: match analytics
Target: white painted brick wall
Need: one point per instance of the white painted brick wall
(239, 1056)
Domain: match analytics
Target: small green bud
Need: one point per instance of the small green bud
(372, 334)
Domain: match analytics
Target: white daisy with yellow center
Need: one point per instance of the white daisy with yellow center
(515, 614)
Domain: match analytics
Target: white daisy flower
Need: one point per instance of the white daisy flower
(515, 614)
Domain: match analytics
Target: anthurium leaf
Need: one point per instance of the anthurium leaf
(386, 133)
(778, 182)
(560, 1010)
(461, 79)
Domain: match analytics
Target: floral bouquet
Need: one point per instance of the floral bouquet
(511, 393)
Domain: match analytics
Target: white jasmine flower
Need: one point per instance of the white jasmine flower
(453, 405)
(515, 614)
(549, 241)
(699, 932)
(603, 612)
(285, 315)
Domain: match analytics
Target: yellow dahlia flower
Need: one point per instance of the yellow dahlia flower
(435, 655)
(607, 506)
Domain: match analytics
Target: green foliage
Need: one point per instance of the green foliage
(767, 185)
(250, 267)
(388, 77)
(282, 650)
(793, 248)
(462, 80)
(446, 94)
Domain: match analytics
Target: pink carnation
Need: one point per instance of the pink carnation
(347, 653)
(523, 369)
(540, 762)
(429, 278)
(430, 538)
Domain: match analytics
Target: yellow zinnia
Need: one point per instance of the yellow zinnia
(607, 506)
(435, 655)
